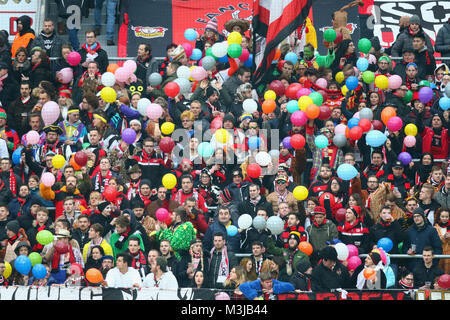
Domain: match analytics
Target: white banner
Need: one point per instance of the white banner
(10, 10)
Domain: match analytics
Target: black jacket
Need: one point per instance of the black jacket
(81, 237)
(40, 72)
(423, 274)
(325, 279)
(300, 281)
(251, 209)
(392, 231)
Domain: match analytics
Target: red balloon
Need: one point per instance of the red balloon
(291, 91)
(278, 87)
(298, 141)
(168, 221)
(75, 269)
(325, 113)
(330, 196)
(61, 247)
(365, 125)
(216, 124)
(280, 65)
(444, 281)
(377, 125)
(166, 144)
(110, 193)
(172, 89)
(355, 133)
(339, 37)
(254, 170)
(80, 158)
(340, 214)
(324, 95)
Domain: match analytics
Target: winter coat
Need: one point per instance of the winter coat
(300, 281)
(284, 252)
(247, 207)
(358, 235)
(423, 236)
(272, 198)
(392, 231)
(444, 264)
(40, 72)
(423, 274)
(405, 40)
(319, 235)
(51, 45)
(325, 279)
(442, 198)
(253, 289)
(23, 38)
(233, 243)
(442, 44)
(214, 264)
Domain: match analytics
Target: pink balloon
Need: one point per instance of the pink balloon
(395, 124)
(162, 214)
(199, 73)
(73, 58)
(340, 129)
(353, 262)
(409, 141)
(65, 75)
(33, 137)
(321, 82)
(48, 179)
(356, 115)
(50, 112)
(372, 59)
(383, 255)
(130, 66)
(222, 296)
(122, 74)
(394, 82)
(154, 111)
(245, 55)
(303, 92)
(187, 48)
(299, 118)
(352, 250)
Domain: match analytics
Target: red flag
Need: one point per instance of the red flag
(274, 21)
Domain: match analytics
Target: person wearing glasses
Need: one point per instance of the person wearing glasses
(73, 129)
(92, 51)
(282, 194)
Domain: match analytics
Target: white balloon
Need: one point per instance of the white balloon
(342, 251)
(185, 85)
(259, 223)
(249, 106)
(219, 49)
(275, 224)
(108, 79)
(245, 221)
(142, 106)
(263, 158)
(274, 153)
(183, 72)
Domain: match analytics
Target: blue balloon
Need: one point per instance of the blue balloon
(23, 264)
(346, 171)
(190, 34)
(249, 62)
(292, 57)
(292, 106)
(17, 155)
(362, 64)
(223, 59)
(253, 142)
(196, 54)
(386, 244)
(205, 149)
(39, 271)
(375, 138)
(351, 83)
(444, 103)
(321, 141)
(232, 231)
(353, 122)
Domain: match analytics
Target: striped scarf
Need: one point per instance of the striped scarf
(12, 182)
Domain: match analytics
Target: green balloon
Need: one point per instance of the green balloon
(400, 247)
(329, 35)
(368, 76)
(35, 258)
(424, 83)
(209, 53)
(408, 97)
(85, 145)
(234, 50)
(364, 45)
(44, 237)
(321, 61)
(317, 98)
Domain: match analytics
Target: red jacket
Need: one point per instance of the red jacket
(438, 152)
(181, 197)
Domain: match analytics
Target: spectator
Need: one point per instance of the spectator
(426, 270)
(321, 230)
(442, 44)
(123, 275)
(301, 280)
(146, 63)
(330, 273)
(49, 40)
(92, 51)
(25, 35)
(443, 230)
(265, 286)
(95, 235)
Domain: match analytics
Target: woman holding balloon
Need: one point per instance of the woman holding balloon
(436, 138)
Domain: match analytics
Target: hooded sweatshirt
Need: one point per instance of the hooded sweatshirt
(25, 37)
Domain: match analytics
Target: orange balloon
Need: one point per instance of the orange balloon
(312, 111)
(387, 113)
(302, 80)
(75, 165)
(94, 275)
(269, 106)
(112, 67)
(369, 273)
(305, 247)
(277, 54)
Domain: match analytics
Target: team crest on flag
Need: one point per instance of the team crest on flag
(149, 32)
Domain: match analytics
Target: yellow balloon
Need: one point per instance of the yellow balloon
(300, 193)
(169, 181)
(234, 37)
(108, 94)
(221, 135)
(58, 161)
(410, 129)
(304, 101)
(340, 76)
(381, 82)
(270, 95)
(8, 270)
(167, 128)
(344, 90)
(191, 69)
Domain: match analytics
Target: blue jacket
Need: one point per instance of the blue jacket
(233, 243)
(253, 289)
(422, 237)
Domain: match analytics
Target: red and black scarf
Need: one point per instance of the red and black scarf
(101, 182)
(138, 260)
(12, 182)
(13, 239)
(133, 189)
(445, 225)
(38, 247)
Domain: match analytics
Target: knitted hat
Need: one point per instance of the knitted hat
(13, 226)
(229, 117)
(136, 121)
(3, 113)
(210, 90)
(303, 266)
(414, 19)
(246, 116)
(145, 181)
(295, 235)
(4, 65)
(328, 253)
(212, 25)
(137, 203)
(101, 206)
(65, 92)
(375, 256)
(178, 54)
(419, 211)
(356, 211)
(107, 257)
(320, 210)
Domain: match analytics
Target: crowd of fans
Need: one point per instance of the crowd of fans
(124, 238)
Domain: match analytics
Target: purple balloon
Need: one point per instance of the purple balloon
(287, 142)
(425, 94)
(405, 158)
(128, 135)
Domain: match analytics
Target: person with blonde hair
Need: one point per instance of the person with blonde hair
(236, 278)
(249, 268)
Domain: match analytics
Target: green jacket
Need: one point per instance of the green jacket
(284, 252)
(318, 236)
(115, 237)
